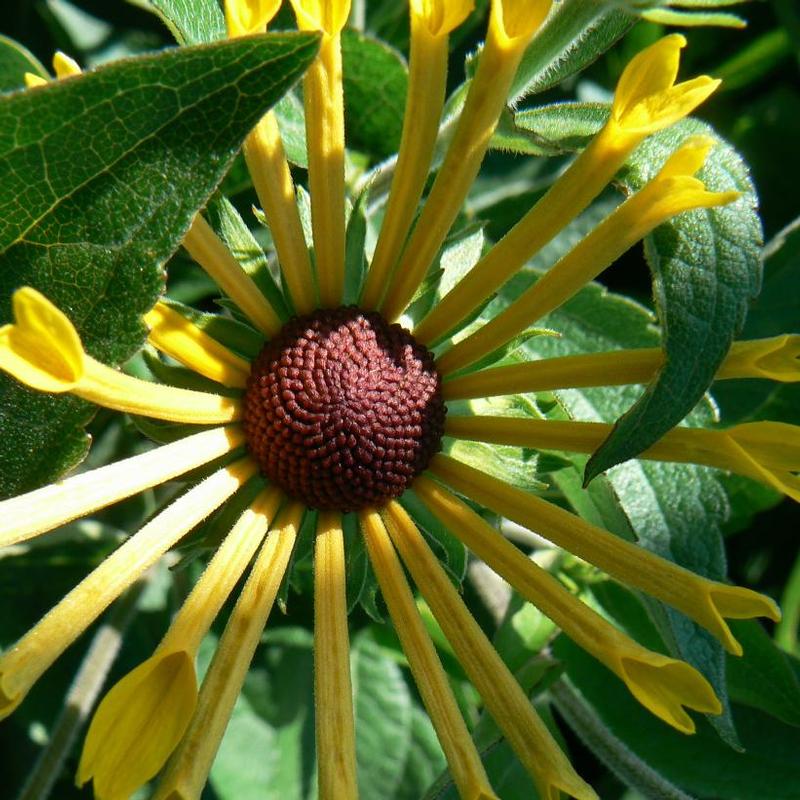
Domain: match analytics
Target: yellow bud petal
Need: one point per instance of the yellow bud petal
(41, 348)
(328, 16)
(64, 66)
(647, 98)
(733, 602)
(244, 17)
(32, 81)
(138, 725)
(776, 358)
(513, 22)
(664, 686)
(440, 17)
(688, 158)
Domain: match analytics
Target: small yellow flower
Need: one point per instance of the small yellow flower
(342, 412)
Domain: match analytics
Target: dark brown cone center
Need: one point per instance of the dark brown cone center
(342, 410)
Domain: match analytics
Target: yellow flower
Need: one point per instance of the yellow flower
(342, 412)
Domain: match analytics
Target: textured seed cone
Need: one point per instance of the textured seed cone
(342, 410)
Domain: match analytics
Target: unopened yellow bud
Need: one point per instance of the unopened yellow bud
(32, 80)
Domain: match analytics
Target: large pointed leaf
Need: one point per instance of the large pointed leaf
(101, 176)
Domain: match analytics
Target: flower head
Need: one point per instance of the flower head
(343, 410)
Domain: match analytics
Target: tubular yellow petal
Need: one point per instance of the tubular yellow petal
(176, 336)
(777, 358)
(705, 601)
(244, 17)
(427, 81)
(765, 451)
(662, 684)
(667, 195)
(440, 17)
(187, 771)
(208, 250)
(333, 693)
(113, 389)
(221, 575)
(512, 25)
(41, 348)
(138, 725)
(64, 66)
(462, 757)
(324, 104)
(266, 160)
(23, 664)
(504, 699)
(41, 510)
(328, 16)
(129, 740)
(32, 80)
(647, 98)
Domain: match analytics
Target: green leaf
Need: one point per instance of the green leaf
(189, 21)
(15, 61)
(383, 720)
(701, 764)
(575, 34)
(375, 88)
(103, 175)
(425, 758)
(764, 677)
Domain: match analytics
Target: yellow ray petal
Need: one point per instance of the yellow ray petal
(646, 80)
(431, 22)
(504, 699)
(210, 252)
(324, 104)
(187, 771)
(662, 684)
(333, 693)
(42, 350)
(176, 336)
(462, 757)
(41, 510)
(647, 99)
(138, 724)
(765, 451)
(244, 17)
(272, 180)
(775, 358)
(668, 194)
(512, 25)
(141, 720)
(23, 664)
(705, 601)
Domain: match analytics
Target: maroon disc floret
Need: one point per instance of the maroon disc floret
(342, 410)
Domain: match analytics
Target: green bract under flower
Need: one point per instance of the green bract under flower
(344, 408)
